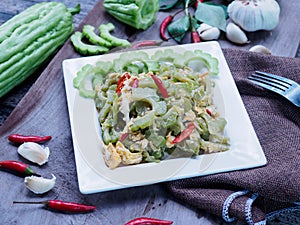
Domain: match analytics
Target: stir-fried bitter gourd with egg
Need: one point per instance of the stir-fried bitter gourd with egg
(155, 107)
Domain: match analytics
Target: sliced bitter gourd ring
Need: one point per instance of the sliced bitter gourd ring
(196, 59)
(126, 59)
(89, 32)
(86, 49)
(83, 81)
(89, 76)
(140, 14)
(105, 30)
(167, 55)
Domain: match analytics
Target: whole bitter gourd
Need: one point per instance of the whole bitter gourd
(31, 37)
(140, 14)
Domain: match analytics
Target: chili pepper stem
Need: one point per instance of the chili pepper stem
(33, 203)
(36, 174)
(62, 206)
(74, 10)
(195, 38)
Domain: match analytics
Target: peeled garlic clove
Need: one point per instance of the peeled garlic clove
(203, 27)
(211, 34)
(34, 152)
(39, 185)
(260, 49)
(235, 34)
(207, 32)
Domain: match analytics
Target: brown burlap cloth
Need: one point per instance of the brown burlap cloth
(250, 195)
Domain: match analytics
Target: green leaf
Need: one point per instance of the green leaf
(212, 15)
(195, 23)
(224, 7)
(178, 28)
(168, 4)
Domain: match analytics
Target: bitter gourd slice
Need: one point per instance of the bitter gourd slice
(89, 32)
(105, 30)
(86, 49)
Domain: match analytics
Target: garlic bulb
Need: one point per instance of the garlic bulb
(207, 32)
(39, 185)
(34, 152)
(260, 49)
(253, 15)
(235, 34)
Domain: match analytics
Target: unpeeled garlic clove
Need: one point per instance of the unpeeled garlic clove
(39, 185)
(260, 49)
(34, 152)
(207, 32)
(235, 34)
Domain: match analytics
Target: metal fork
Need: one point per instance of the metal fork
(280, 85)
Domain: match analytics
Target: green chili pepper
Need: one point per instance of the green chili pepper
(86, 49)
(139, 14)
(105, 30)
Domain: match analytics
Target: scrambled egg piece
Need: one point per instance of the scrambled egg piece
(111, 156)
(115, 155)
(127, 156)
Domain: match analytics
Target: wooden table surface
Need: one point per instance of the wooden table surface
(115, 207)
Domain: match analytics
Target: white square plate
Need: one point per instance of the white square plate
(94, 176)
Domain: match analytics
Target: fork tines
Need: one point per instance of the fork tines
(271, 81)
(280, 85)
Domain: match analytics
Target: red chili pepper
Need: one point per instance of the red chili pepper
(63, 206)
(18, 167)
(165, 23)
(185, 133)
(123, 137)
(163, 26)
(121, 81)
(195, 37)
(160, 86)
(209, 112)
(135, 83)
(20, 139)
(150, 221)
(146, 43)
(197, 2)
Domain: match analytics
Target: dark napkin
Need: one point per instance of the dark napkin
(250, 194)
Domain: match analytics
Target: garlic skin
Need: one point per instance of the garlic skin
(253, 15)
(260, 49)
(34, 152)
(235, 34)
(207, 32)
(39, 185)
